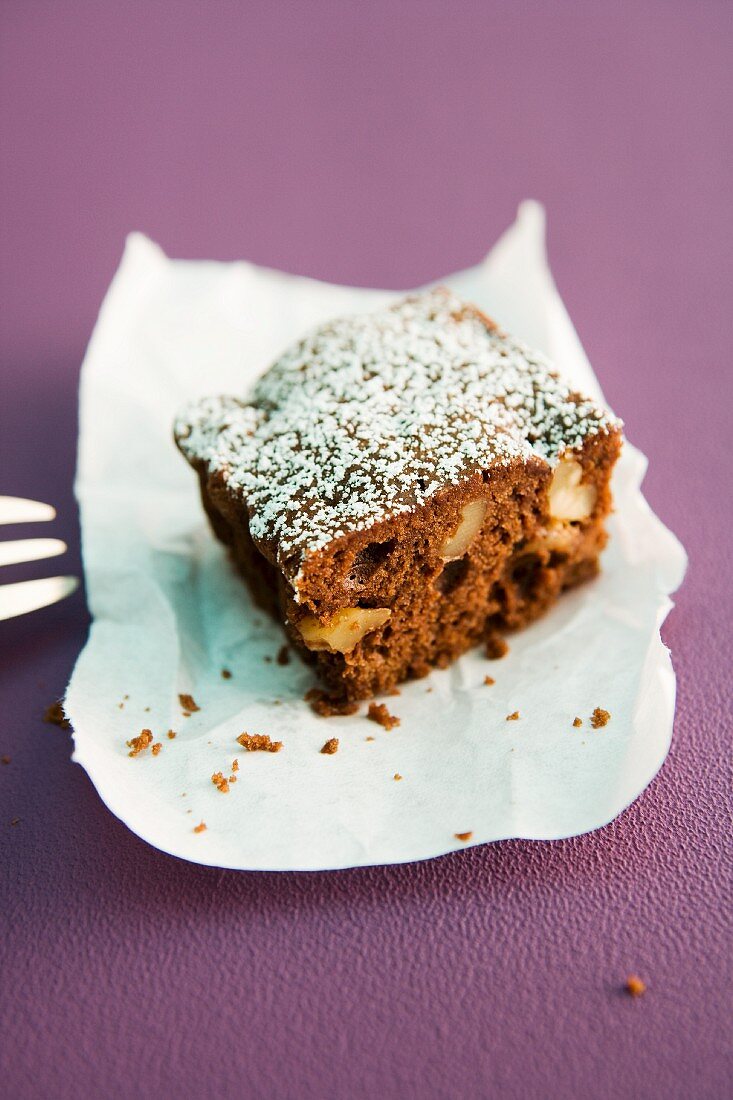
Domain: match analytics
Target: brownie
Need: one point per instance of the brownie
(402, 485)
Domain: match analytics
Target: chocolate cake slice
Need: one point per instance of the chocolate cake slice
(403, 484)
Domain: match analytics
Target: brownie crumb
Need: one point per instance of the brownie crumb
(599, 718)
(232, 779)
(200, 828)
(221, 782)
(188, 704)
(55, 715)
(513, 717)
(328, 706)
(634, 986)
(120, 706)
(268, 659)
(283, 655)
(4, 759)
(146, 710)
(258, 742)
(331, 746)
(156, 748)
(368, 738)
(489, 680)
(496, 647)
(15, 821)
(577, 722)
(397, 777)
(464, 836)
(235, 765)
(226, 674)
(378, 713)
(139, 744)
(171, 735)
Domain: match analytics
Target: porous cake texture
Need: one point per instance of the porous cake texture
(402, 484)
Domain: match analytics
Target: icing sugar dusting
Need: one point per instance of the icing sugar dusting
(369, 415)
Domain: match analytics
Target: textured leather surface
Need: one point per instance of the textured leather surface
(381, 148)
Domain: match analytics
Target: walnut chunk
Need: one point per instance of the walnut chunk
(344, 630)
(568, 498)
(472, 518)
(599, 718)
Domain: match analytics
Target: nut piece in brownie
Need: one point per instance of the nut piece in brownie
(401, 485)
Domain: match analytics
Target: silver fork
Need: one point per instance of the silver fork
(25, 596)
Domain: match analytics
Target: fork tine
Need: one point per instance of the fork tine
(30, 550)
(17, 599)
(19, 510)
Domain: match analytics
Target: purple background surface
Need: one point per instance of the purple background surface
(384, 144)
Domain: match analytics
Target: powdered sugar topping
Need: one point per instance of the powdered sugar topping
(370, 415)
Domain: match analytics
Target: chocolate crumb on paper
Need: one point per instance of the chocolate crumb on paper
(464, 836)
(258, 742)
(221, 782)
(496, 647)
(226, 674)
(600, 718)
(331, 746)
(54, 714)
(513, 717)
(235, 765)
(139, 744)
(171, 735)
(378, 713)
(634, 986)
(156, 748)
(577, 722)
(397, 777)
(283, 655)
(489, 680)
(328, 706)
(188, 703)
(200, 828)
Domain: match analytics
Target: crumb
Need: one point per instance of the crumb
(368, 738)
(15, 821)
(188, 704)
(428, 690)
(125, 696)
(55, 715)
(120, 706)
(200, 828)
(464, 836)
(232, 779)
(489, 680)
(577, 722)
(4, 759)
(283, 655)
(599, 718)
(226, 674)
(220, 782)
(378, 713)
(395, 691)
(268, 659)
(146, 710)
(139, 744)
(235, 765)
(513, 717)
(187, 714)
(258, 742)
(328, 705)
(634, 986)
(397, 777)
(171, 734)
(331, 746)
(496, 647)
(156, 748)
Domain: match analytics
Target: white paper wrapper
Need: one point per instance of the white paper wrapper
(170, 614)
